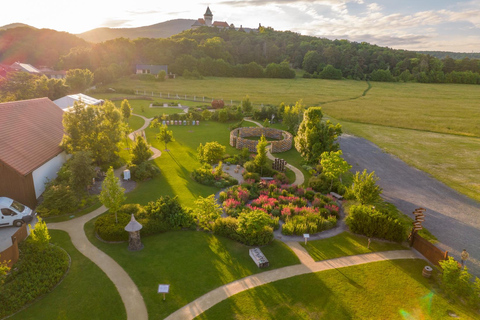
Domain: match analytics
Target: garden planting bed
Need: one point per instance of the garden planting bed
(301, 210)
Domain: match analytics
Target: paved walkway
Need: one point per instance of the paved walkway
(299, 177)
(213, 297)
(131, 297)
(452, 217)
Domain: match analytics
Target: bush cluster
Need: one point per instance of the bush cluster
(158, 216)
(374, 223)
(207, 176)
(301, 209)
(36, 273)
(143, 171)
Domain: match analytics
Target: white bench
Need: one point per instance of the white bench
(336, 195)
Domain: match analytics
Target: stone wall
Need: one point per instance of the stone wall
(237, 138)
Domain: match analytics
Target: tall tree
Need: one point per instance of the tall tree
(261, 158)
(211, 152)
(97, 129)
(333, 165)
(82, 170)
(126, 109)
(79, 79)
(112, 194)
(315, 137)
(164, 135)
(141, 151)
(365, 187)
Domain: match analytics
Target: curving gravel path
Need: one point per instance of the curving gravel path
(452, 217)
(131, 297)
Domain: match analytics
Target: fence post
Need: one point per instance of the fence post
(169, 95)
(160, 94)
(185, 97)
(144, 92)
(203, 99)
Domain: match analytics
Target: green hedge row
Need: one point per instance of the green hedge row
(35, 274)
(373, 223)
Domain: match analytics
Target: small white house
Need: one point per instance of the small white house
(68, 101)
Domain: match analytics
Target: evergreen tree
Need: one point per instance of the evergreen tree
(112, 194)
(126, 109)
(261, 158)
(82, 170)
(141, 151)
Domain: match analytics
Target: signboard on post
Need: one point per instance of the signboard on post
(306, 236)
(163, 288)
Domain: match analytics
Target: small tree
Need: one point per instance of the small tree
(40, 235)
(261, 158)
(126, 109)
(165, 135)
(365, 187)
(247, 105)
(3, 270)
(254, 227)
(206, 115)
(207, 210)
(211, 152)
(141, 151)
(82, 170)
(333, 165)
(112, 194)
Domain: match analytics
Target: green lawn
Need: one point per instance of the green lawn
(177, 164)
(135, 123)
(381, 290)
(444, 108)
(266, 91)
(346, 244)
(192, 262)
(85, 293)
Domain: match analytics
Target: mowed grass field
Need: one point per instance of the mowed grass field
(443, 108)
(433, 127)
(266, 91)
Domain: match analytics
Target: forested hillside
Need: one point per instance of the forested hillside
(36, 46)
(230, 53)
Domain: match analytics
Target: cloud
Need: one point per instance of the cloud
(115, 23)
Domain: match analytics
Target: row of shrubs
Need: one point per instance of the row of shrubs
(374, 223)
(213, 177)
(40, 267)
(311, 223)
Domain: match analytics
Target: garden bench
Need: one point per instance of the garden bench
(259, 258)
(336, 195)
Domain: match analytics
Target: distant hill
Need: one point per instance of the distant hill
(160, 30)
(453, 55)
(15, 25)
(39, 47)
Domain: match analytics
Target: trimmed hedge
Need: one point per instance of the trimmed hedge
(373, 223)
(36, 273)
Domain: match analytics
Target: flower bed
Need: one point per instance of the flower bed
(301, 210)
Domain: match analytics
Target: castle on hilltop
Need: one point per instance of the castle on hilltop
(207, 21)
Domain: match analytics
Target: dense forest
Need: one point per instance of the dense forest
(230, 53)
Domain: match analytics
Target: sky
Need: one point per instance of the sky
(443, 25)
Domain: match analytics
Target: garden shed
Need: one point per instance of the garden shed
(30, 152)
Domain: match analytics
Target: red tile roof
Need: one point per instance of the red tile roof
(220, 24)
(30, 133)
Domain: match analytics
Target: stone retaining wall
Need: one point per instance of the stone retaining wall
(237, 138)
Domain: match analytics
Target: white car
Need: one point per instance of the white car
(13, 213)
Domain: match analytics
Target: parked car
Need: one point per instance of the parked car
(13, 213)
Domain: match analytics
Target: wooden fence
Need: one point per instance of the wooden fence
(11, 254)
(429, 250)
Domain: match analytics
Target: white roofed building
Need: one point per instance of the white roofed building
(68, 101)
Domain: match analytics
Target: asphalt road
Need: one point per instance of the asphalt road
(452, 217)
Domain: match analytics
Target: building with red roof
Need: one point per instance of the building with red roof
(30, 152)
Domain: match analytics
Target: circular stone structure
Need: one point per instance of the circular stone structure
(283, 143)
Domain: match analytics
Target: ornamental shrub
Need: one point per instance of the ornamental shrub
(58, 199)
(254, 227)
(373, 223)
(35, 274)
(144, 171)
(108, 230)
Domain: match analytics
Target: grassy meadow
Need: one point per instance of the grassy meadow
(380, 290)
(433, 127)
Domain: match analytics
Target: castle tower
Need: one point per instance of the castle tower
(208, 16)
